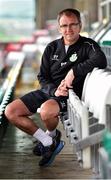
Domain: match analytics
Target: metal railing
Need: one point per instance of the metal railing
(7, 92)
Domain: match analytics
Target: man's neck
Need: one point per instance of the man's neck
(71, 42)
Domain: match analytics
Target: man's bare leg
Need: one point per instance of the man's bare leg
(18, 114)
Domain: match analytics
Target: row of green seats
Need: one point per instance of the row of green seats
(106, 43)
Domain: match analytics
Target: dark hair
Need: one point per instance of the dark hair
(69, 12)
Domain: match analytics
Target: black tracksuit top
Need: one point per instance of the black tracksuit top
(82, 57)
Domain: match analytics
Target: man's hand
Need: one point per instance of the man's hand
(69, 78)
(65, 84)
(62, 89)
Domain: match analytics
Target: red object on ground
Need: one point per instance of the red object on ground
(40, 32)
(13, 47)
(27, 40)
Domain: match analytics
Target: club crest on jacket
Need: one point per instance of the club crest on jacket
(73, 57)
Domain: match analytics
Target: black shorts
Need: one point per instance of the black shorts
(33, 100)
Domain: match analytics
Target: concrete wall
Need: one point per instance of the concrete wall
(48, 9)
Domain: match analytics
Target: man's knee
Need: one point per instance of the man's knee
(9, 112)
(14, 110)
(50, 109)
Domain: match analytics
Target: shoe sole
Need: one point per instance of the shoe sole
(57, 151)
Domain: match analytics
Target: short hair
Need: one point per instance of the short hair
(69, 12)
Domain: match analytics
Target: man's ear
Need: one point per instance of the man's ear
(59, 29)
(80, 25)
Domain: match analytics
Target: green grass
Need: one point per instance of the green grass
(5, 38)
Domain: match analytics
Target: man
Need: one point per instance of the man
(65, 64)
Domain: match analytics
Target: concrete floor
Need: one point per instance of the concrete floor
(18, 162)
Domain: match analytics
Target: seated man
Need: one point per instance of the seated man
(65, 64)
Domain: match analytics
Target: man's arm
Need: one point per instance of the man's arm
(69, 79)
(44, 75)
(96, 58)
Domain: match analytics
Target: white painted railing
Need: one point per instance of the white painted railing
(87, 118)
(107, 51)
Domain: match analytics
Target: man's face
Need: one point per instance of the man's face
(69, 27)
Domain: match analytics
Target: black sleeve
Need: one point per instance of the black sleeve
(96, 58)
(44, 75)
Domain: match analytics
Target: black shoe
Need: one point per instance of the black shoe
(39, 148)
(50, 152)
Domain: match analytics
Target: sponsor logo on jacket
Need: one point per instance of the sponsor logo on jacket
(55, 57)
